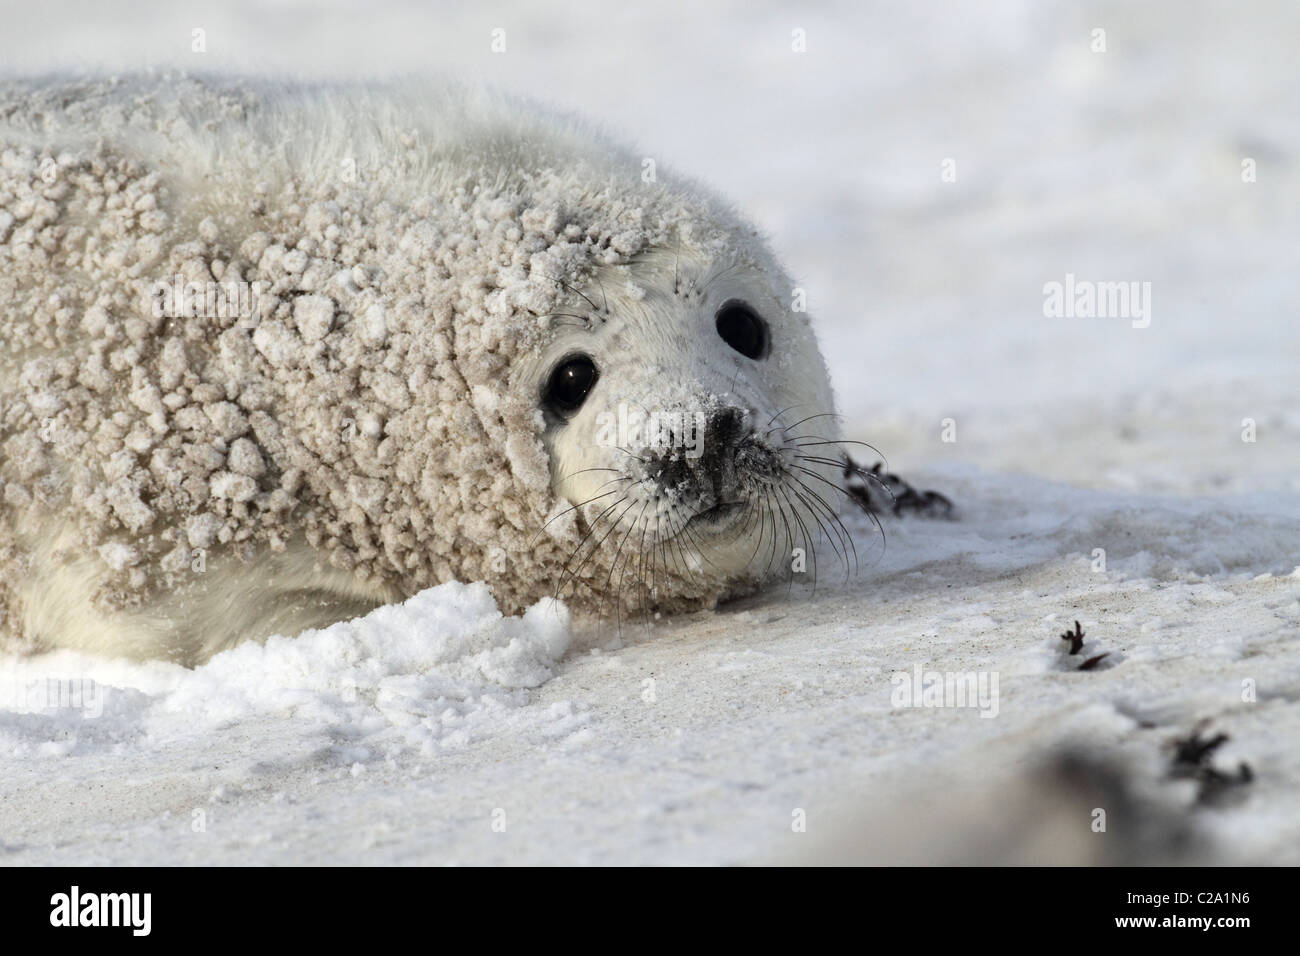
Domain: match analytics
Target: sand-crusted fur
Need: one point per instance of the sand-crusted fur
(400, 244)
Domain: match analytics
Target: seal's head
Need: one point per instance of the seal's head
(690, 426)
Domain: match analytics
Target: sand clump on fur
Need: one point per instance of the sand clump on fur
(360, 402)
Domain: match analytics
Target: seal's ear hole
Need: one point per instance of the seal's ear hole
(570, 383)
(742, 329)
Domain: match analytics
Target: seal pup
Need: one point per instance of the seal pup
(276, 354)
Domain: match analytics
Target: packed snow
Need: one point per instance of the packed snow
(1140, 481)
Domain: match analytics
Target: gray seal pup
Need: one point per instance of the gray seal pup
(276, 354)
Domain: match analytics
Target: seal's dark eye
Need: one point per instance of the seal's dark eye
(570, 383)
(742, 330)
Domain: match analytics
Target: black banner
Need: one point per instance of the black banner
(936, 905)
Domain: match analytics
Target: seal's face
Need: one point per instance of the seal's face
(691, 428)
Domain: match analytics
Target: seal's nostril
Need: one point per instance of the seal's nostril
(724, 430)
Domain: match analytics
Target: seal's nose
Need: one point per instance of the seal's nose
(723, 432)
(709, 467)
(724, 429)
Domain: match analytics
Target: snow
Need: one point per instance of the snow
(440, 732)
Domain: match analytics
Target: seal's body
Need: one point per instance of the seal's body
(275, 355)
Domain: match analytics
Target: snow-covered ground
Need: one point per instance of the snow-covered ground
(438, 732)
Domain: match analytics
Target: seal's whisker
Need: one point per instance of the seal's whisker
(834, 441)
(698, 546)
(566, 511)
(761, 515)
(788, 525)
(777, 510)
(843, 538)
(776, 514)
(826, 505)
(666, 543)
(617, 555)
(789, 530)
(875, 520)
(683, 565)
(808, 544)
(802, 420)
(849, 469)
(618, 594)
(739, 368)
(591, 531)
(756, 509)
(613, 527)
(629, 454)
(778, 415)
(650, 594)
(837, 544)
(823, 480)
(640, 553)
(584, 471)
(574, 291)
(717, 273)
(568, 562)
